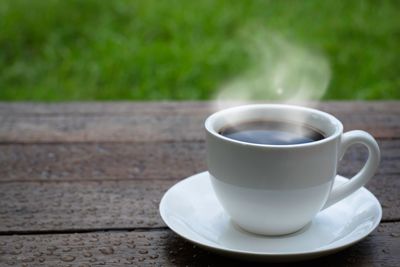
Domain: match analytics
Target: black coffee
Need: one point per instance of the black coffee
(272, 133)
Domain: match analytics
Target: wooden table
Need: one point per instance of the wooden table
(80, 183)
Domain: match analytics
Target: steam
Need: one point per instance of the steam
(284, 72)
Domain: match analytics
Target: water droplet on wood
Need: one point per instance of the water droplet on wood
(51, 248)
(67, 258)
(117, 243)
(87, 254)
(143, 251)
(107, 250)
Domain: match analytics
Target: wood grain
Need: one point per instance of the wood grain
(34, 207)
(116, 161)
(140, 122)
(163, 248)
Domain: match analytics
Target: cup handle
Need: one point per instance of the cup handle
(363, 176)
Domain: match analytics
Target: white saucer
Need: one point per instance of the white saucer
(191, 210)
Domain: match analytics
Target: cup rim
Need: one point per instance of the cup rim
(211, 119)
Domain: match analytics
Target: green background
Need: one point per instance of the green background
(150, 50)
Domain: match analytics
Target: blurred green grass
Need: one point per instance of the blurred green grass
(54, 50)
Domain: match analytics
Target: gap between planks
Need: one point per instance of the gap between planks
(165, 141)
(172, 141)
(101, 180)
(116, 229)
(85, 230)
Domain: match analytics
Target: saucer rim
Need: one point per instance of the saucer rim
(309, 253)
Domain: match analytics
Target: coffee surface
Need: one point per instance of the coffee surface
(272, 133)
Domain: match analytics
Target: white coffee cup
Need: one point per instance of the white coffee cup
(278, 189)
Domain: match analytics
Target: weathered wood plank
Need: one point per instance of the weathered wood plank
(30, 207)
(66, 206)
(140, 122)
(102, 128)
(180, 127)
(115, 161)
(164, 248)
(101, 161)
(173, 107)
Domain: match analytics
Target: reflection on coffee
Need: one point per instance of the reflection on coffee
(272, 133)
